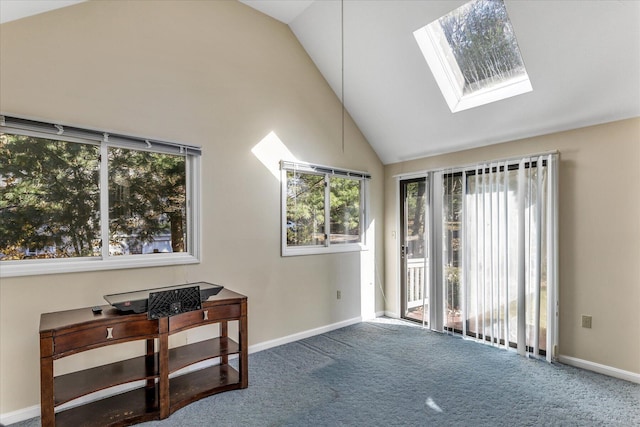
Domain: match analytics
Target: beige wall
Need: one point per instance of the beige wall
(599, 234)
(216, 74)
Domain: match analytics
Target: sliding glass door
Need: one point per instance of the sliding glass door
(413, 250)
(479, 252)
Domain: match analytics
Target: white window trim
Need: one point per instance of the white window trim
(78, 265)
(327, 248)
(19, 268)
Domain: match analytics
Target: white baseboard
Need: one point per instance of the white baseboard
(34, 411)
(20, 415)
(302, 335)
(601, 369)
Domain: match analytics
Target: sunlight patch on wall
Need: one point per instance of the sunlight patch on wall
(270, 151)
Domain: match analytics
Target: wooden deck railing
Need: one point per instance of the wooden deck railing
(416, 276)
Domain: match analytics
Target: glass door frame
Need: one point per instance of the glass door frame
(433, 318)
(406, 249)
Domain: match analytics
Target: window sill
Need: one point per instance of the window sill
(319, 250)
(58, 266)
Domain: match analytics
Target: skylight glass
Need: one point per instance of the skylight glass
(474, 56)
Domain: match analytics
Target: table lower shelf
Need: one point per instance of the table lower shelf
(123, 409)
(180, 357)
(142, 404)
(188, 388)
(77, 384)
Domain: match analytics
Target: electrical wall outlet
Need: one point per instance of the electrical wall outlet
(586, 321)
(338, 294)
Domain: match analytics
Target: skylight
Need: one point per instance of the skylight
(473, 55)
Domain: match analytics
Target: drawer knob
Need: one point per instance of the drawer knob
(205, 315)
(109, 333)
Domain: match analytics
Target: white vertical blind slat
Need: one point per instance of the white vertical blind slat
(505, 241)
(491, 249)
(538, 258)
(478, 270)
(463, 261)
(521, 261)
(552, 256)
(483, 224)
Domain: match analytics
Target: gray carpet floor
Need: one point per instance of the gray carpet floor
(389, 373)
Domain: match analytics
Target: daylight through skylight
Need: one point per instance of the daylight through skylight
(474, 56)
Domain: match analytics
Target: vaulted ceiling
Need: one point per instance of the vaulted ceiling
(582, 57)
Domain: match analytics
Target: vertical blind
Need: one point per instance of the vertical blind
(501, 219)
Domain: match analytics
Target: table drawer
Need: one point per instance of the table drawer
(204, 316)
(104, 335)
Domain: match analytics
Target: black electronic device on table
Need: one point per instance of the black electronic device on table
(138, 301)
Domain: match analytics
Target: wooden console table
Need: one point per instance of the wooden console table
(69, 332)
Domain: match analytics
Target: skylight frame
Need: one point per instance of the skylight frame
(448, 75)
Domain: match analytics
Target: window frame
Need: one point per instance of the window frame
(448, 75)
(327, 172)
(32, 267)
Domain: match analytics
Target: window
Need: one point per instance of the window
(50, 198)
(323, 209)
(147, 202)
(473, 55)
(77, 200)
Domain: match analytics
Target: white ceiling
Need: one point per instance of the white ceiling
(10, 10)
(583, 59)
